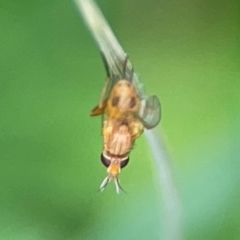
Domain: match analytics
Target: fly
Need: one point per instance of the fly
(125, 115)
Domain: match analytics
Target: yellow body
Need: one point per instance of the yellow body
(121, 124)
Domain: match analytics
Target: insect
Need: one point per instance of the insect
(126, 112)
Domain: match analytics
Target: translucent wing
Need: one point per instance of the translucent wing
(117, 64)
(150, 112)
(121, 71)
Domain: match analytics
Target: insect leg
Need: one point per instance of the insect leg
(118, 186)
(104, 183)
(105, 64)
(102, 98)
(131, 74)
(105, 89)
(125, 66)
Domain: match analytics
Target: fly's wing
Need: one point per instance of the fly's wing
(150, 112)
(115, 59)
(117, 68)
(116, 62)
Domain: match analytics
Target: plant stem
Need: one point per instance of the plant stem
(115, 56)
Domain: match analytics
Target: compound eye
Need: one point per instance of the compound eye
(124, 163)
(105, 161)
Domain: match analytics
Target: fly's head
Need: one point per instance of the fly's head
(114, 164)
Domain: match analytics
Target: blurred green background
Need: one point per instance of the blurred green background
(51, 76)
